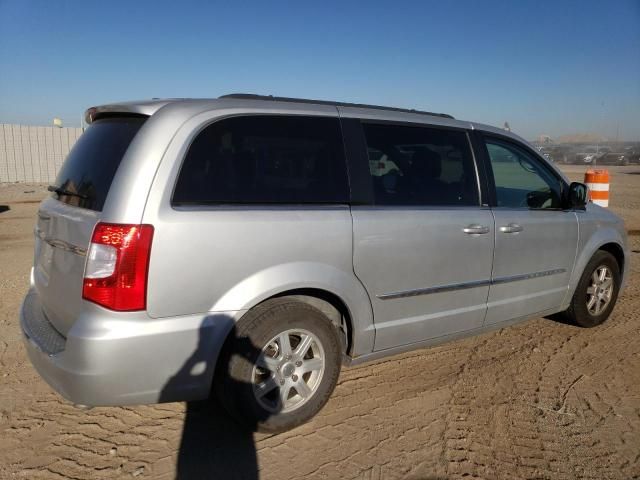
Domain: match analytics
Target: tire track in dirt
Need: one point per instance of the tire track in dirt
(538, 400)
(469, 409)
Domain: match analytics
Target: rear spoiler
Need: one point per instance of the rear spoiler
(143, 108)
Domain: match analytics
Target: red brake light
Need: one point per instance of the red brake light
(117, 266)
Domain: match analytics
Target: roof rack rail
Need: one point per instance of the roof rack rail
(253, 96)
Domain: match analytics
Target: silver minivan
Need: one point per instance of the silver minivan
(247, 247)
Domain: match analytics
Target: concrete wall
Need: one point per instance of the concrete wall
(33, 154)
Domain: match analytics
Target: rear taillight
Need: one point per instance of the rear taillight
(115, 275)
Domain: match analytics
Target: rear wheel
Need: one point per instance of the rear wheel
(597, 291)
(280, 367)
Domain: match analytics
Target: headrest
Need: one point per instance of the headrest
(426, 163)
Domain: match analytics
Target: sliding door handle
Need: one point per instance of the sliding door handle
(511, 228)
(475, 229)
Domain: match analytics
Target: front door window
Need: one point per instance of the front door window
(521, 180)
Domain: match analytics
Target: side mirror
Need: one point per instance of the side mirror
(577, 195)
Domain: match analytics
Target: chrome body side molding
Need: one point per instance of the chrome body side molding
(527, 276)
(438, 289)
(462, 286)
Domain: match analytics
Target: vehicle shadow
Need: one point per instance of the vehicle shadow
(213, 444)
(562, 319)
(4, 208)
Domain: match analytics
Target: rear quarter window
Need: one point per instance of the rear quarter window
(265, 159)
(88, 171)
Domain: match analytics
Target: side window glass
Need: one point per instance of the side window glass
(265, 159)
(521, 181)
(420, 166)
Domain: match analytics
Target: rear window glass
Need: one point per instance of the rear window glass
(265, 159)
(88, 171)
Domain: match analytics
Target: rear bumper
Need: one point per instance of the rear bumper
(110, 358)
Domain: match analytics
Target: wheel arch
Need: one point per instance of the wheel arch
(336, 293)
(608, 240)
(330, 305)
(617, 251)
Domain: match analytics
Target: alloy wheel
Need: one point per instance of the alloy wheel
(600, 290)
(288, 371)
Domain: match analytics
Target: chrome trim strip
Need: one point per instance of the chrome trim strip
(440, 289)
(527, 276)
(481, 200)
(66, 246)
(465, 285)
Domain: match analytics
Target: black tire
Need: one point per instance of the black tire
(578, 312)
(234, 381)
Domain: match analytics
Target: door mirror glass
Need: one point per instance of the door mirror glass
(577, 195)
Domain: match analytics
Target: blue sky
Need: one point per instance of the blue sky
(546, 67)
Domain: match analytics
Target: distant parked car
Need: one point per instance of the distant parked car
(590, 154)
(632, 154)
(606, 155)
(613, 159)
(564, 154)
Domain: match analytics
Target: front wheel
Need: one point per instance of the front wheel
(280, 367)
(597, 291)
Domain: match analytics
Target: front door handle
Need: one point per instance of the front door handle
(475, 229)
(511, 228)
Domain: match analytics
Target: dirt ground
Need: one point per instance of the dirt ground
(539, 400)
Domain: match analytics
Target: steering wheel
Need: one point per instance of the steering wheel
(537, 195)
(526, 165)
(525, 201)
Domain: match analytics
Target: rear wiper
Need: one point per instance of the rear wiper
(64, 191)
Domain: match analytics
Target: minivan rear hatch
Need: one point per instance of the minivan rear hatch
(66, 219)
